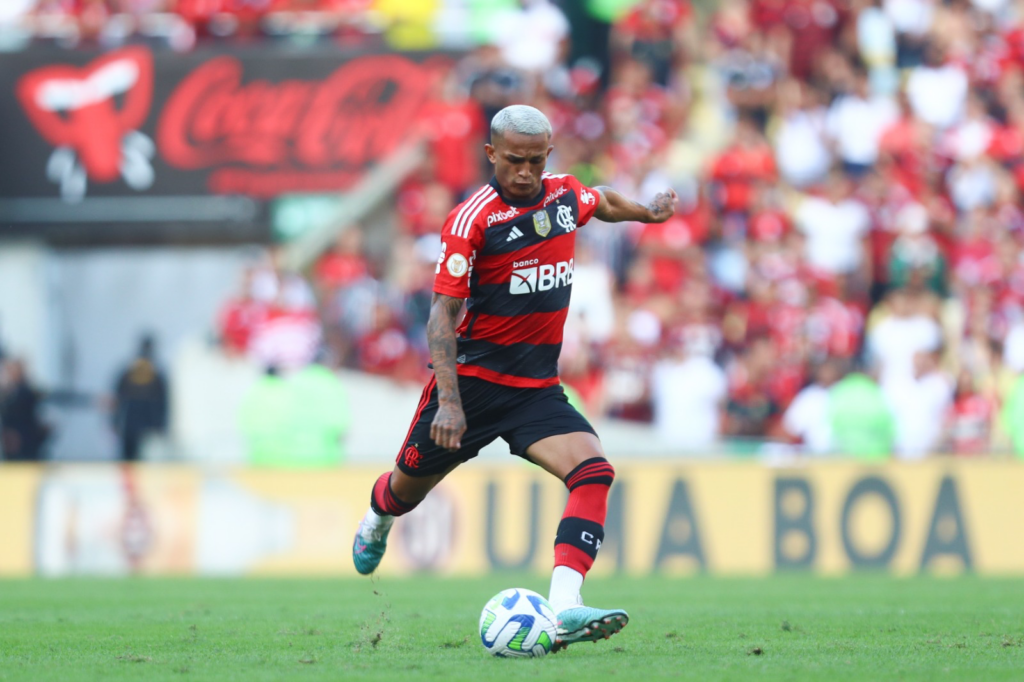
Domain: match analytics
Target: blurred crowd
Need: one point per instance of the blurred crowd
(184, 24)
(850, 231)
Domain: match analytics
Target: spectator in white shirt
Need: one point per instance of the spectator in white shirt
(688, 392)
(1013, 349)
(801, 152)
(593, 303)
(893, 342)
(807, 419)
(876, 38)
(856, 122)
(920, 404)
(533, 38)
(836, 227)
(937, 91)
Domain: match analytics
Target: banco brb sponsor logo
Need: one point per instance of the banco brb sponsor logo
(536, 277)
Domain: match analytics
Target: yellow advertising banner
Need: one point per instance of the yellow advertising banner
(18, 484)
(728, 518)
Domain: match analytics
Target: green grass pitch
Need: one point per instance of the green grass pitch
(782, 628)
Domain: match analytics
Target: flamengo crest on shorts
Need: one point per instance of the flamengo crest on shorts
(513, 262)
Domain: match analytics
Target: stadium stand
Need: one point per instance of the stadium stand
(849, 172)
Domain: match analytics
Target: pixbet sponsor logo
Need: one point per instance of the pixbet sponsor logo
(501, 215)
(529, 277)
(554, 194)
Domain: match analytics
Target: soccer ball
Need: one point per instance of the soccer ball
(518, 623)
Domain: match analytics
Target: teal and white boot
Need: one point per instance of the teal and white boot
(369, 545)
(587, 624)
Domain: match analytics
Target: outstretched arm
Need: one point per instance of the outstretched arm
(450, 421)
(615, 208)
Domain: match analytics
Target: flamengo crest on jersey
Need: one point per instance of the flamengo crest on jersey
(565, 218)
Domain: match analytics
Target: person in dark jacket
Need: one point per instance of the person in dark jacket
(140, 401)
(22, 433)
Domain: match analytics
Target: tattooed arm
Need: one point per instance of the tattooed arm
(615, 208)
(450, 421)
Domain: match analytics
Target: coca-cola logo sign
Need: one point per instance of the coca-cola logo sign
(94, 135)
(225, 119)
(329, 131)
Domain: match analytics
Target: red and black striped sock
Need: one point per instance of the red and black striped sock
(386, 503)
(581, 530)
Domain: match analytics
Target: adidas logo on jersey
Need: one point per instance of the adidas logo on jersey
(514, 234)
(501, 215)
(530, 280)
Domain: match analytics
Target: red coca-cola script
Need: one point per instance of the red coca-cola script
(291, 135)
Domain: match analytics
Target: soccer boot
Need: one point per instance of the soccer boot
(368, 548)
(586, 624)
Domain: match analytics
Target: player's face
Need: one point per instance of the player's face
(518, 162)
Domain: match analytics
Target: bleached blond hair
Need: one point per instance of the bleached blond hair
(522, 119)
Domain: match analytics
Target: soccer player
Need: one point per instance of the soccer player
(508, 251)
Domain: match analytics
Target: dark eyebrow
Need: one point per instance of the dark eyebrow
(515, 158)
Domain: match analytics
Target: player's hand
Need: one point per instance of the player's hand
(448, 426)
(663, 206)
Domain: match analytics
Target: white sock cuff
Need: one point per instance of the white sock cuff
(565, 588)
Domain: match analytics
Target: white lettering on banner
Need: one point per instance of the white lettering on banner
(554, 194)
(528, 280)
(501, 215)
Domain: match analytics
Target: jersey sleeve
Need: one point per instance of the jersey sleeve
(587, 200)
(458, 252)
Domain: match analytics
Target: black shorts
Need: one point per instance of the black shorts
(521, 416)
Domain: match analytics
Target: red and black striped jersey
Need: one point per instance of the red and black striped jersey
(513, 262)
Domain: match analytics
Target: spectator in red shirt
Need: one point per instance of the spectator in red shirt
(343, 263)
(240, 317)
(654, 31)
(969, 423)
(383, 349)
(671, 244)
(736, 171)
(751, 408)
(454, 125)
(974, 254)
